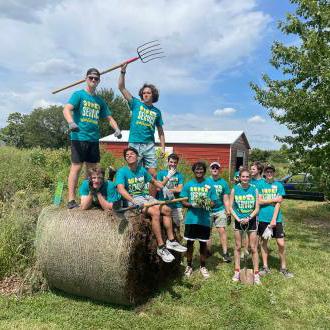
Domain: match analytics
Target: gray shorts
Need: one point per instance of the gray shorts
(219, 219)
(177, 216)
(143, 199)
(147, 154)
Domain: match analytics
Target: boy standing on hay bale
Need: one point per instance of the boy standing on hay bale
(83, 112)
(95, 190)
(173, 180)
(202, 197)
(131, 182)
(145, 117)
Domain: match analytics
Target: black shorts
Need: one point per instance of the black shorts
(251, 226)
(196, 232)
(85, 151)
(278, 231)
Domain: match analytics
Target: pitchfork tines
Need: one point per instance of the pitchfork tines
(150, 51)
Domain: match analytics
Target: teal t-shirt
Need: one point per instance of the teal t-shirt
(268, 191)
(135, 182)
(193, 189)
(87, 111)
(108, 190)
(256, 182)
(244, 200)
(221, 188)
(143, 122)
(172, 183)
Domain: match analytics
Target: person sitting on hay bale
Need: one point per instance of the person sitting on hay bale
(202, 197)
(173, 180)
(95, 191)
(131, 182)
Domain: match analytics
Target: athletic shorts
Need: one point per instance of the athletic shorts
(143, 199)
(219, 219)
(196, 233)
(278, 231)
(251, 226)
(177, 216)
(85, 151)
(147, 154)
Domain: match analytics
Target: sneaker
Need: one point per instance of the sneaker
(286, 273)
(226, 257)
(72, 204)
(264, 271)
(256, 279)
(188, 271)
(204, 272)
(236, 277)
(176, 246)
(165, 254)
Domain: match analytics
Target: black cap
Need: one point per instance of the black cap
(269, 166)
(93, 71)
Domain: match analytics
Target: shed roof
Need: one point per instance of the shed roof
(193, 137)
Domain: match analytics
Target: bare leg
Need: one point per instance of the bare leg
(155, 224)
(167, 221)
(190, 251)
(73, 179)
(281, 251)
(237, 253)
(202, 253)
(254, 250)
(264, 252)
(223, 239)
(152, 188)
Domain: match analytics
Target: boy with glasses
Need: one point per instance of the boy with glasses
(83, 112)
(221, 213)
(271, 194)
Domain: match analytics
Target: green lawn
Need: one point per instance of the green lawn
(301, 302)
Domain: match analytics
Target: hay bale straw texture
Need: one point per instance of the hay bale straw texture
(101, 255)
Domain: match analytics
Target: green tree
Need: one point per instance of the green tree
(259, 155)
(13, 133)
(301, 99)
(120, 111)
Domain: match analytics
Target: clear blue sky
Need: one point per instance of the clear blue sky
(214, 49)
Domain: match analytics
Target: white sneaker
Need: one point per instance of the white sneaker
(188, 271)
(204, 272)
(236, 277)
(165, 254)
(257, 279)
(175, 245)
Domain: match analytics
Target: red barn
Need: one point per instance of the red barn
(229, 148)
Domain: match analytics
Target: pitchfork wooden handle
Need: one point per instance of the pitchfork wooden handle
(117, 66)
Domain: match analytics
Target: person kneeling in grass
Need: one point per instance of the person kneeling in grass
(271, 194)
(131, 182)
(201, 198)
(244, 208)
(95, 191)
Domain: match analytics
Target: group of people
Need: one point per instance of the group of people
(254, 201)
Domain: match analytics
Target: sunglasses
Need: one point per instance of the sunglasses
(215, 167)
(93, 78)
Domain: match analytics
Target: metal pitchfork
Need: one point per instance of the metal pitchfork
(147, 52)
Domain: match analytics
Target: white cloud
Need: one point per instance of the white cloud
(256, 120)
(42, 103)
(224, 112)
(53, 66)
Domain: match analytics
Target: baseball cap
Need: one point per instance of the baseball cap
(93, 71)
(269, 166)
(215, 164)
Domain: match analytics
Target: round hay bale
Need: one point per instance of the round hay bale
(101, 255)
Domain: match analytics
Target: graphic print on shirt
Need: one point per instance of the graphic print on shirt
(146, 117)
(137, 186)
(90, 112)
(197, 192)
(269, 193)
(245, 203)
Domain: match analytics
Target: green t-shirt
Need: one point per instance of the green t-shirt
(256, 182)
(87, 111)
(193, 189)
(108, 191)
(135, 182)
(221, 188)
(268, 191)
(172, 183)
(143, 122)
(244, 200)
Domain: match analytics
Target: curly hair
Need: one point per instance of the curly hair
(259, 166)
(95, 170)
(199, 165)
(154, 91)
